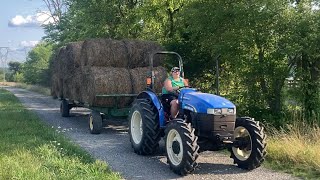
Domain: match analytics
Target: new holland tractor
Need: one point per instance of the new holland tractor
(205, 122)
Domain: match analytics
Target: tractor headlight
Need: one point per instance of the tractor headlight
(231, 111)
(214, 111)
(218, 111)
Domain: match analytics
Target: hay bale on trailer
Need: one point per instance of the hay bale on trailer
(54, 76)
(54, 86)
(106, 80)
(73, 51)
(104, 53)
(76, 84)
(139, 51)
(101, 66)
(139, 76)
(58, 72)
(65, 64)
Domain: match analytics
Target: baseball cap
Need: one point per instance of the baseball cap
(175, 69)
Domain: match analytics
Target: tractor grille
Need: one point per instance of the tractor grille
(215, 126)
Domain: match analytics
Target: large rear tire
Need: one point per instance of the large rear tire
(144, 129)
(252, 151)
(95, 122)
(181, 147)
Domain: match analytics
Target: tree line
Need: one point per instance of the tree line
(269, 49)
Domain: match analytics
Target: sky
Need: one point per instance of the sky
(20, 27)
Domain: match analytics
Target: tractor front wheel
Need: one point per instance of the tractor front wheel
(181, 147)
(144, 129)
(249, 149)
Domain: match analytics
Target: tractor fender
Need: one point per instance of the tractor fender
(155, 100)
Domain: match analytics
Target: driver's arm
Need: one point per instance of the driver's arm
(186, 84)
(168, 86)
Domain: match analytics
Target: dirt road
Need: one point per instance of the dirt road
(113, 146)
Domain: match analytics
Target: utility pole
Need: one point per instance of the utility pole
(3, 57)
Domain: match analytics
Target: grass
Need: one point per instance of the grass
(295, 150)
(34, 88)
(31, 150)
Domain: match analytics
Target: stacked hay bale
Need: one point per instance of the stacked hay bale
(105, 66)
(72, 71)
(57, 78)
(138, 77)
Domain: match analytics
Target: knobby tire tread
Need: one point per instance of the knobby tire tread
(190, 147)
(258, 138)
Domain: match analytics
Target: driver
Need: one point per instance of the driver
(171, 85)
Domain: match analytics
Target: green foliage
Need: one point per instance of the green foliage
(15, 69)
(18, 77)
(36, 69)
(248, 38)
(1, 75)
(15, 66)
(261, 43)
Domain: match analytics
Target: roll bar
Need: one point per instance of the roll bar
(164, 52)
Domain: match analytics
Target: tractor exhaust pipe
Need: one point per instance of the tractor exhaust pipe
(217, 74)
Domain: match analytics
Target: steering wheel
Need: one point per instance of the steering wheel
(179, 89)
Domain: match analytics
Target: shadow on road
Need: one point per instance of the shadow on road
(212, 168)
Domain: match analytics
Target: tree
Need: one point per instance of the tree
(14, 66)
(306, 59)
(36, 69)
(261, 43)
(251, 38)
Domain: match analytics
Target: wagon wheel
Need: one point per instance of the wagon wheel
(95, 122)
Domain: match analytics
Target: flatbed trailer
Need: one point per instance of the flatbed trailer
(99, 114)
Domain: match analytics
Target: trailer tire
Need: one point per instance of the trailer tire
(144, 129)
(181, 147)
(251, 154)
(95, 122)
(65, 108)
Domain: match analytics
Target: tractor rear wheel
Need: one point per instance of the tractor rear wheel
(181, 147)
(250, 149)
(144, 129)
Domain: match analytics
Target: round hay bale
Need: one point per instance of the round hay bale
(58, 72)
(54, 74)
(55, 64)
(106, 80)
(104, 53)
(68, 86)
(76, 84)
(139, 53)
(139, 76)
(73, 51)
(54, 86)
(62, 61)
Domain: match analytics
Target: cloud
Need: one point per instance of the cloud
(28, 44)
(41, 18)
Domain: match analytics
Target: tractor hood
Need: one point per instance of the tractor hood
(199, 102)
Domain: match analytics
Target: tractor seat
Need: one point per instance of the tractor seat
(165, 103)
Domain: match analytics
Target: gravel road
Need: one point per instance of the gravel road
(113, 146)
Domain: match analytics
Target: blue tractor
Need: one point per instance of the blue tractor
(205, 122)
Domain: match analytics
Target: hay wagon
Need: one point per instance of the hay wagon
(103, 75)
(98, 116)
